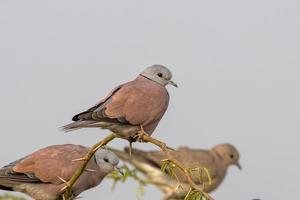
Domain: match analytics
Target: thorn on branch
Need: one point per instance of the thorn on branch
(67, 194)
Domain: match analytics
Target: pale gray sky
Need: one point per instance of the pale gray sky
(236, 62)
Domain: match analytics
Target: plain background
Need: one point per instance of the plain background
(236, 63)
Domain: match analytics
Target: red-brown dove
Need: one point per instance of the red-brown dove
(216, 160)
(135, 106)
(41, 174)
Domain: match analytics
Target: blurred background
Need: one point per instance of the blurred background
(236, 63)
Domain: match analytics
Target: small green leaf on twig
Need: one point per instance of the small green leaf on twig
(164, 165)
(207, 175)
(168, 167)
(128, 173)
(195, 195)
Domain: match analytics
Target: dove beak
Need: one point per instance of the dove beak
(238, 166)
(172, 83)
(119, 170)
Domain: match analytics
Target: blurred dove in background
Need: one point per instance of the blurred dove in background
(216, 160)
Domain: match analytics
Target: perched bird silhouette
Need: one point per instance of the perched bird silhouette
(216, 160)
(42, 174)
(134, 107)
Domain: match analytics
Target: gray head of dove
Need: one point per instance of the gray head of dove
(106, 160)
(229, 154)
(160, 74)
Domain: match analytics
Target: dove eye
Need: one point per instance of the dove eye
(160, 74)
(105, 159)
(231, 156)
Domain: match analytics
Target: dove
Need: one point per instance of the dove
(216, 160)
(42, 175)
(133, 108)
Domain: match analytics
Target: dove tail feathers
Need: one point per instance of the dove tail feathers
(5, 184)
(75, 126)
(5, 188)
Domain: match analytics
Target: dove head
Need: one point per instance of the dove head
(229, 154)
(106, 160)
(159, 74)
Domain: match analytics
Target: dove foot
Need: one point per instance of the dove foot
(140, 135)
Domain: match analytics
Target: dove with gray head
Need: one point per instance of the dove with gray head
(42, 174)
(216, 160)
(135, 106)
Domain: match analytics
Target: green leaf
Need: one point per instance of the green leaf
(164, 165)
(195, 195)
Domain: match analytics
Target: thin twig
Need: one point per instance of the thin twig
(164, 148)
(185, 170)
(85, 161)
